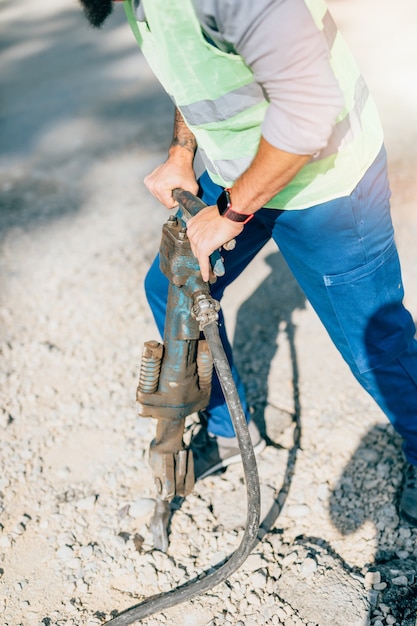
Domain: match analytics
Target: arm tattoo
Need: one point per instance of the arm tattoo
(182, 135)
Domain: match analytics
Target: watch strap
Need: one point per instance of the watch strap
(234, 216)
(224, 204)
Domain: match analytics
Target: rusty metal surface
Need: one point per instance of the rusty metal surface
(175, 377)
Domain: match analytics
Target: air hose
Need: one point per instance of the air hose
(201, 584)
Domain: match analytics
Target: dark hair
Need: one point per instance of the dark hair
(97, 11)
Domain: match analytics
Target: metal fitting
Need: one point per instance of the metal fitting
(172, 221)
(205, 309)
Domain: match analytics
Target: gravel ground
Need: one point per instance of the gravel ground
(77, 232)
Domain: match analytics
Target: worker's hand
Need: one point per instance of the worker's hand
(175, 172)
(208, 231)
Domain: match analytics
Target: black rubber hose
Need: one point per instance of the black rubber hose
(197, 586)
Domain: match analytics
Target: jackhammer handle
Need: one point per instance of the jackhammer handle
(188, 201)
(192, 204)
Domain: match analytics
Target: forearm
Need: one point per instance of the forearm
(270, 171)
(183, 141)
(177, 171)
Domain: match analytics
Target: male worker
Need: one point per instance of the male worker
(292, 149)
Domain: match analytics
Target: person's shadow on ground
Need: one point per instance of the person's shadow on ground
(268, 310)
(263, 322)
(367, 491)
(368, 487)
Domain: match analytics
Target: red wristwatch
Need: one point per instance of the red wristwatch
(224, 204)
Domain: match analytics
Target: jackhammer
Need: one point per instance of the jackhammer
(174, 382)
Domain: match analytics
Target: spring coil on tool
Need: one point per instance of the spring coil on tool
(150, 366)
(204, 364)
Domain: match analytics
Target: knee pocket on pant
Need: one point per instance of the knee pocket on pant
(367, 303)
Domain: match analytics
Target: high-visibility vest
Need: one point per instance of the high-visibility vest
(224, 106)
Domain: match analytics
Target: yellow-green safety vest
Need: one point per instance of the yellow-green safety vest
(224, 106)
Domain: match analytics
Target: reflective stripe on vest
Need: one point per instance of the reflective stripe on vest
(225, 111)
(224, 107)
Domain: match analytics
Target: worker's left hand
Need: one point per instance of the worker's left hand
(208, 231)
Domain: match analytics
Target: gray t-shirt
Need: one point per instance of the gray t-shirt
(289, 57)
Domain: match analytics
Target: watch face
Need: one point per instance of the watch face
(223, 201)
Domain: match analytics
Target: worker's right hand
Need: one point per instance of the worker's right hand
(177, 171)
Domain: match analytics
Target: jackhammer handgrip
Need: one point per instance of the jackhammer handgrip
(188, 201)
(192, 205)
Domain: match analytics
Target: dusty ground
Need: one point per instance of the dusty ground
(82, 122)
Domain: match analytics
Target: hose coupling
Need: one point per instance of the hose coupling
(205, 309)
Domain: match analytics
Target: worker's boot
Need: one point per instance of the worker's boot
(408, 501)
(213, 453)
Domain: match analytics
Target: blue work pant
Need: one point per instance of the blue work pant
(343, 255)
